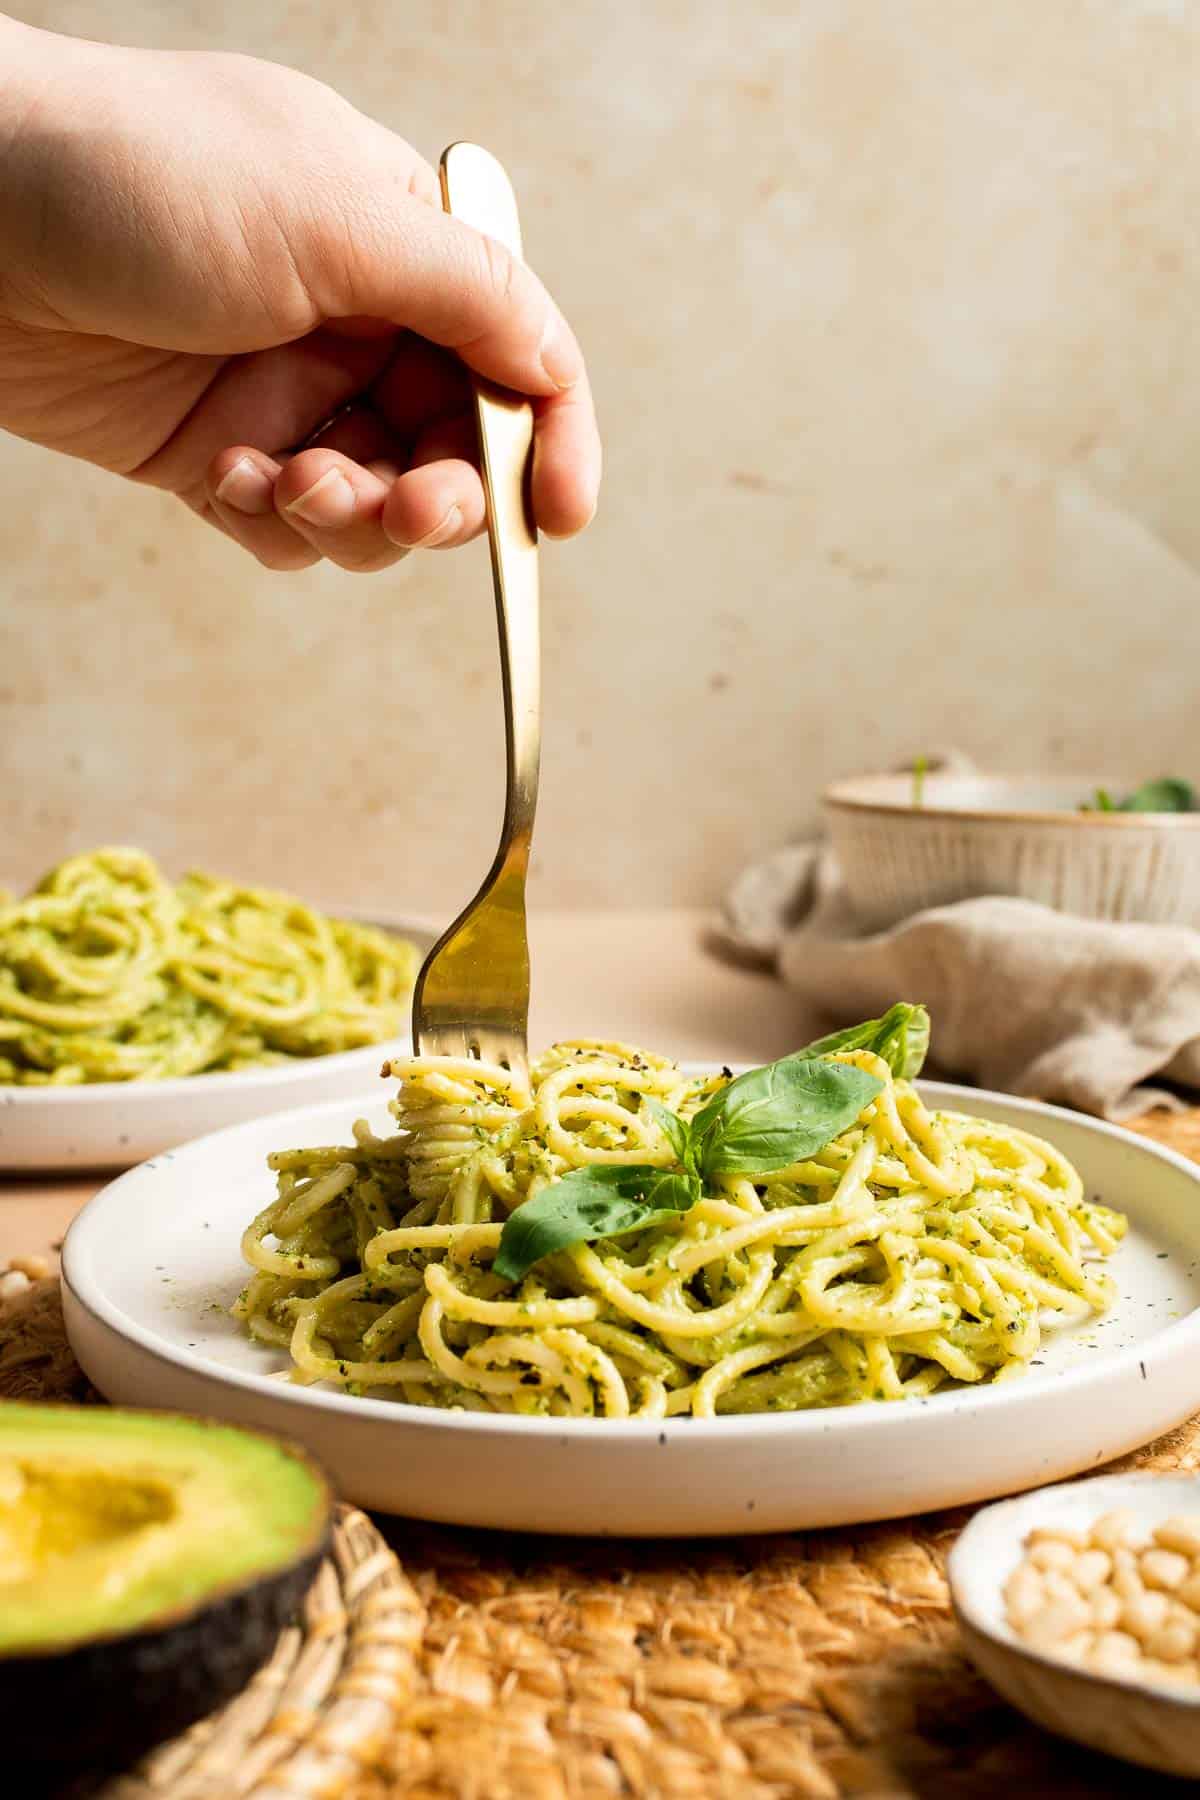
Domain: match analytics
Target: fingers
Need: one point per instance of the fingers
(566, 462)
(336, 505)
(382, 479)
(414, 413)
(319, 504)
(438, 503)
(361, 434)
(240, 490)
(363, 517)
(346, 501)
(421, 383)
(448, 285)
(406, 261)
(272, 398)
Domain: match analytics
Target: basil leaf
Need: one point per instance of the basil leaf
(1166, 796)
(901, 1037)
(904, 1044)
(677, 1131)
(603, 1200)
(778, 1115)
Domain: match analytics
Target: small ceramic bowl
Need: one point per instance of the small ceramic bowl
(1156, 1727)
(1022, 835)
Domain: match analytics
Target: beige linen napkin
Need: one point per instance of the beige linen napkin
(1022, 998)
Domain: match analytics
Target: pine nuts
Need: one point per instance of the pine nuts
(1053, 1553)
(1091, 1569)
(1179, 1534)
(1106, 1609)
(1025, 1595)
(1079, 1539)
(1144, 1615)
(1061, 1619)
(1164, 1569)
(1172, 1643)
(1111, 1530)
(1106, 1602)
(1126, 1576)
(35, 1267)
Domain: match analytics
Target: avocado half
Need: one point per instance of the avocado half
(147, 1565)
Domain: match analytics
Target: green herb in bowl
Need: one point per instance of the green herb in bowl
(1166, 795)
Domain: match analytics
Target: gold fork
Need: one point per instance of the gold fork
(472, 995)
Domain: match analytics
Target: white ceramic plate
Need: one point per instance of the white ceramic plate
(112, 1124)
(152, 1264)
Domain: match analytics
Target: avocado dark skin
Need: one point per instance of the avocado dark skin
(196, 1544)
(99, 1707)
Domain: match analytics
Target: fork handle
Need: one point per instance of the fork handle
(476, 189)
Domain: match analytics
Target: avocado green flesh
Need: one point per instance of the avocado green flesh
(111, 1522)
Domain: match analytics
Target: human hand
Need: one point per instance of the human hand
(218, 278)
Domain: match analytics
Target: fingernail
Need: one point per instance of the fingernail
(559, 353)
(329, 502)
(246, 488)
(442, 531)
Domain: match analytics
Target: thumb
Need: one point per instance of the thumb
(413, 264)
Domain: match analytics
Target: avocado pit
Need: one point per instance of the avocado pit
(48, 1515)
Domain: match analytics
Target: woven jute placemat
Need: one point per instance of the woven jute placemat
(434, 1662)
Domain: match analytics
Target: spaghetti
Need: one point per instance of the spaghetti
(913, 1249)
(109, 972)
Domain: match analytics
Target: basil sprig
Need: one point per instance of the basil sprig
(920, 769)
(763, 1121)
(1166, 795)
(901, 1038)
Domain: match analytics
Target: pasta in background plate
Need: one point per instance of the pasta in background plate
(109, 972)
(622, 1239)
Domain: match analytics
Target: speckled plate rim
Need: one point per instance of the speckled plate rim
(890, 795)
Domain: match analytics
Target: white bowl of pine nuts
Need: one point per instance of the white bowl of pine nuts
(1081, 1605)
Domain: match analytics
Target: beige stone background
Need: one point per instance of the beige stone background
(893, 311)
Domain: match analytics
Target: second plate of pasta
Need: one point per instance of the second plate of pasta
(137, 1012)
(735, 1355)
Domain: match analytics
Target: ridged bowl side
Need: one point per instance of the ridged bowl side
(895, 867)
(898, 861)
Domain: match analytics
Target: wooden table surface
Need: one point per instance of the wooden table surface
(641, 976)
